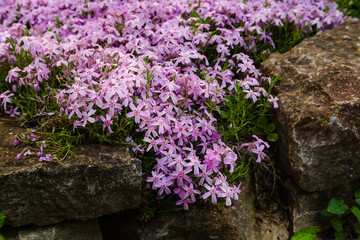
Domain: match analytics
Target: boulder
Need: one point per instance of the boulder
(101, 180)
(305, 207)
(318, 119)
(74, 230)
(199, 222)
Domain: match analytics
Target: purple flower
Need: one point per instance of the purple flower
(164, 184)
(227, 192)
(32, 137)
(28, 152)
(155, 179)
(212, 191)
(12, 112)
(17, 141)
(107, 122)
(47, 157)
(137, 112)
(274, 101)
(19, 156)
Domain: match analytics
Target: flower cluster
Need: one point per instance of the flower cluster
(166, 64)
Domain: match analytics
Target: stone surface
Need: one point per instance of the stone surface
(198, 223)
(271, 224)
(319, 108)
(100, 181)
(305, 208)
(74, 230)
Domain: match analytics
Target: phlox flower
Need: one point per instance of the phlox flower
(180, 175)
(28, 152)
(236, 190)
(251, 94)
(259, 150)
(137, 112)
(185, 202)
(190, 192)
(178, 161)
(5, 98)
(227, 192)
(155, 179)
(164, 184)
(205, 175)
(212, 191)
(19, 156)
(152, 143)
(194, 163)
(107, 122)
(274, 101)
(12, 112)
(17, 141)
(230, 159)
(86, 117)
(47, 157)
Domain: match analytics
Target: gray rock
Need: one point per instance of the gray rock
(271, 224)
(200, 222)
(305, 208)
(99, 181)
(319, 108)
(75, 230)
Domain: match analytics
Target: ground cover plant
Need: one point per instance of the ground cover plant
(179, 81)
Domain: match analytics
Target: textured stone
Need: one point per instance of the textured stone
(305, 208)
(198, 223)
(99, 181)
(271, 224)
(319, 108)
(75, 230)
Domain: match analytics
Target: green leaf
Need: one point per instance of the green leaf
(327, 214)
(337, 206)
(304, 236)
(310, 229)
(194, 14)
(340, 236)
(307, 233)
(272, 137)
(270, 127)
(356, 212)
(336, 224)
(357, 228)
(326, 9)
(256, 131)
(262, 123)
(2, 219)
(357, 196)
(1, 237)
(225, 114)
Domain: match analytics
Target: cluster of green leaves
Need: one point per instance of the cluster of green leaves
(2, 219)
(349, 7)
(335, 211)
(284, 38)
(29, 101)
(241, 117)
